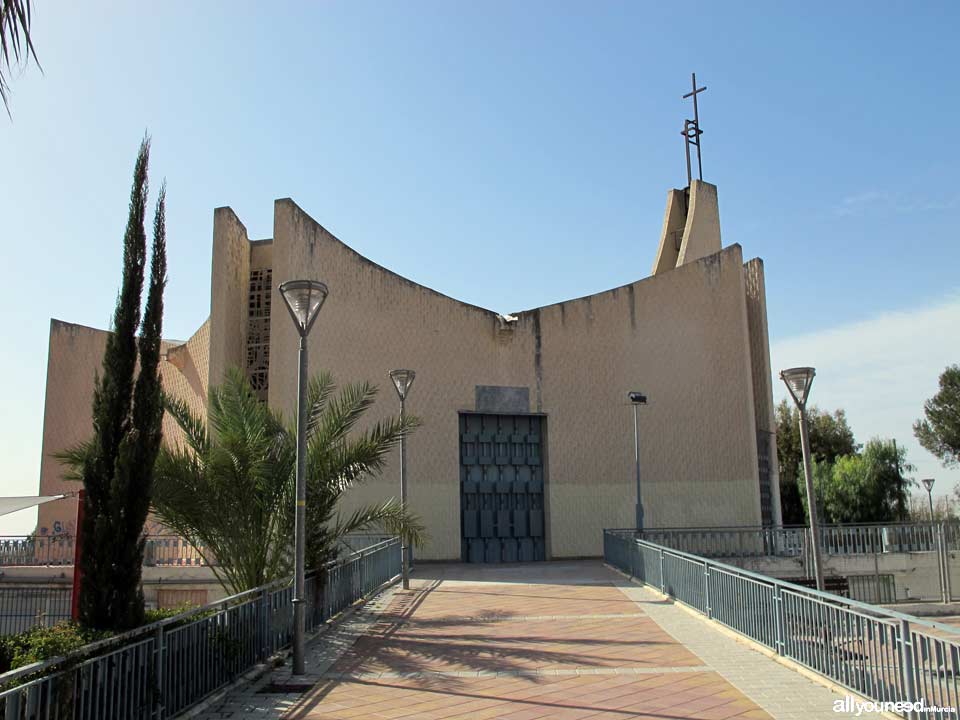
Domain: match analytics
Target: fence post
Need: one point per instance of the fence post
(663, 580)
(363, 572)
(158, 657)
(943, 564)
(906, 663)
(263, 623)
(781, 624)
(706, 588)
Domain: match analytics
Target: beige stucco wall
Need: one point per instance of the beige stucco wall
(671, 235)
(680, 336)
(229, 283)
(756, 302)
(701, 234)
(692, 337)
(75, 357)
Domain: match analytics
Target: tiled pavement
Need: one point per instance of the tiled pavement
(552, 640)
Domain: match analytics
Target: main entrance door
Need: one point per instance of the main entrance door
(501, 488)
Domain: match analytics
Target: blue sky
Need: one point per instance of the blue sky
(508, 154)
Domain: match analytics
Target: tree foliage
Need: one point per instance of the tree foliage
(229, 488)
(939, 432)
(944, 507)
(116, 464)
(16, 45)
(864, 487)
(830, 438)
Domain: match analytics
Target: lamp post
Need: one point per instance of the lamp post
(402, 380)
(928, 484)
(798, 381)
(637, 399)
(304, 299)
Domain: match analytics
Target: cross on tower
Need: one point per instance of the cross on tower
(691, 129)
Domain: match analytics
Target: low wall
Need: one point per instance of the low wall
(915, 573)
(162, 586)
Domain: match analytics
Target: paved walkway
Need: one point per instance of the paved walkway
(549, 640)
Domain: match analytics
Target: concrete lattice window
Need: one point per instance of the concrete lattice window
(258, 330)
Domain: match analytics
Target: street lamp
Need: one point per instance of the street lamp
(928, 484)
(304, 299)
(798, 381)
(637, 399)
(402, 380)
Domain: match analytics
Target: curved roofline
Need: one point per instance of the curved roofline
(385, 270)
(471, 306)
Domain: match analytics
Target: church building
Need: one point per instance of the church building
(526, 451)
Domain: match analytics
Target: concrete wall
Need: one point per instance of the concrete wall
(175, 582)
(692, 337)
(75, 357)
(229, 285)
(915, 573)
(701, 235)
(762, 378)
(682, 337)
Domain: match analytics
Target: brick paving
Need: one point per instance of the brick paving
(552, 640)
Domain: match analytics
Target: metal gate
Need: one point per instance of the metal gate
(501, 488)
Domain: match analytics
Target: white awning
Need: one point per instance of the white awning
(13, 504)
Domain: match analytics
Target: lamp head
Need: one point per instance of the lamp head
(304, 298)
(402, 380)
(798, 381)
(637, 398)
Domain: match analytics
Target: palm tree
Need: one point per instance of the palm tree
(15, 42)
(229, 487)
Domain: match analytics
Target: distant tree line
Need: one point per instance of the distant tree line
(853, 483)
(857, 483)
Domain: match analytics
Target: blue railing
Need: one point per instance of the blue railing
(883, 655)
(867, 539)
(161, 670)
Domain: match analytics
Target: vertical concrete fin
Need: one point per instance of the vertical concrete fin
(755, 296)
(228, 294)
(674, 221)
(701, 234)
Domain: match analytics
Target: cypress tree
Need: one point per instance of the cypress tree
(117, 463)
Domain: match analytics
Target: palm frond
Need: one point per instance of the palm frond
(387, 516)
(231, 488)
(75, 459)
(193, 427)
(321, 387)
(16, 42)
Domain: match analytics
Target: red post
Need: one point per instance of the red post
(77, 578)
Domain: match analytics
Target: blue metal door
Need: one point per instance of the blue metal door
(501, 488)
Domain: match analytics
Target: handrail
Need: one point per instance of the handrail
(118, 641)
(885, 655)
(821, 595)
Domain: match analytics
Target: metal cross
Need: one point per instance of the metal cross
(691, 129)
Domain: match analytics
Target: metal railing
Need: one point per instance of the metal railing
(25, 607)
(159, 551)
(161, 670)
(883, 655)
(36, 550)
(794, 541)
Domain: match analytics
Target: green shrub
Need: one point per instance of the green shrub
(152, 616)
(43, 643)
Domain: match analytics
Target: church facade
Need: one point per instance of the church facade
(526, 451)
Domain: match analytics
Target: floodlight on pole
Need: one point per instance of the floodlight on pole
(303, 298)
(637, 399)
(798, 381)
(402, 380)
